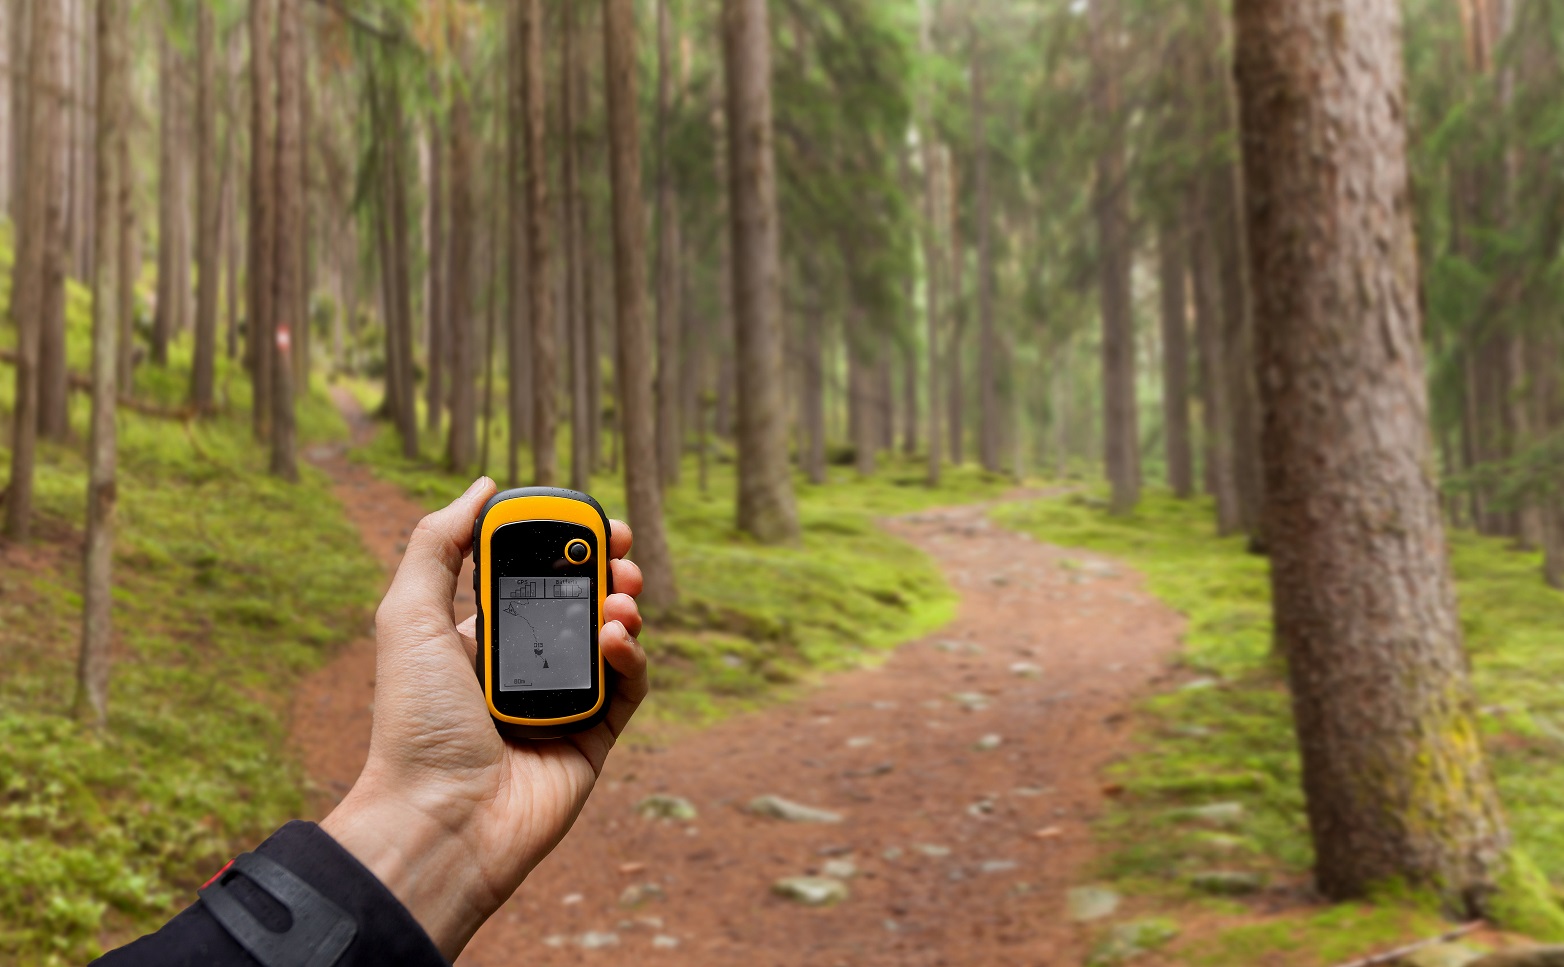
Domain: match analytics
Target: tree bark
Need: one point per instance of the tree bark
(544, 361)
(988, 351)
(129, 250)
(290, 234)
(167, 205)
(230, 200)
(642, 492)
(1175, 359)
(667, 322)
(1394, 774)
(53, 389)
(765, 500)
(92, 666)
(19, 27)
(27, 271)
(461, 280)
(519, 331)
(576, 320)
(812, 369)
(436, 314)
(208, 214)
(1216, 422)
(1121, 441)
(262, 219)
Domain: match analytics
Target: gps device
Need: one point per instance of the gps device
(540, 575)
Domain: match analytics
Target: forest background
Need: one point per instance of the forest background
(754, 273)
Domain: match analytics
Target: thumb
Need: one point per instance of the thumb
(425, 581)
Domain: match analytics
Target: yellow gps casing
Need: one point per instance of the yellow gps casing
(541, 527)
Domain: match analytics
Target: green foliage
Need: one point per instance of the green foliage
(229, 585)
(1228, 736)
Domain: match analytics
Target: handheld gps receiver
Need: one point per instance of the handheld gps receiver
(540, 575)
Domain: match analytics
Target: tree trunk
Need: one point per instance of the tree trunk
(92, 667)
(860, 397)
(437, 298)
(27, 271)
(576, 320)
(1175, 359)
(53, 388)
(988, 351)
(812, 369)
(461, 280)
(1393, 769)
(167, 206)
(765, 499)
(19, 25)
(1216, 422)
(1121, 442)
(642, 492)
(401, 273)
(667, 322)
(290, 234)
(932, 261)
(230, 201)
(541, 303)
(955, 392)
(262, 219)
(208, 249)
(129, 250)
(1238, 346)
(519, 332)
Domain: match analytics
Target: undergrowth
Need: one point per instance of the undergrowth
(1226, 736)
(229, 585)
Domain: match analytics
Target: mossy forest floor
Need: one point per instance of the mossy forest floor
(230, 586)
(1225, 737)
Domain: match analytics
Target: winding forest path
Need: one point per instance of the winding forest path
(963, 849)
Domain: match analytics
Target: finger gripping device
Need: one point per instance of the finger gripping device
(540, 576)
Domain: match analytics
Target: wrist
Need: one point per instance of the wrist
(425, 863)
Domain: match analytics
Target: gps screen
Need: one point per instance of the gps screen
(545, 633)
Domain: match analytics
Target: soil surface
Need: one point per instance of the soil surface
(963, 849)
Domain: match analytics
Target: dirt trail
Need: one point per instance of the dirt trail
(1048, 652)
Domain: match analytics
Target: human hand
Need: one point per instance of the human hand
(450, 816)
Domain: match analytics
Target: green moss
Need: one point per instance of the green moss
(1234, 741)
(229, 585)
(1526, 902)
(1319, 939)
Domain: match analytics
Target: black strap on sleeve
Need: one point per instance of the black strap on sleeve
(320, 930)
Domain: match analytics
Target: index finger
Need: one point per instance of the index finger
(619, 538)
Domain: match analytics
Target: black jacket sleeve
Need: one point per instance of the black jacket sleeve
(385, 932)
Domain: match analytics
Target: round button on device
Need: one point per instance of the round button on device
(577, 551)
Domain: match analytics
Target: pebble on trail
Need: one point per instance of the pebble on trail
(811, 891)
(775, 807)
(662, 806)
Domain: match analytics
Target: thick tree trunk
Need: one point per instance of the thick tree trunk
(461, 281)
(27, 271)
(1175, 359)
(437, 297)
(208, 249)
(92, 666)
(1393, 769)
(988, 350)
(544, 354)
(642, 492)
(19, 34)
(290, 234)
(262, 219)
(1121, 442)
(765, 500)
